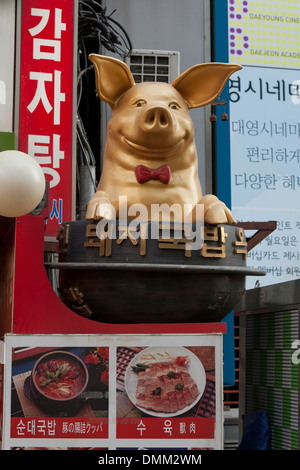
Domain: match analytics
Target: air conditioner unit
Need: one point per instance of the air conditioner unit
(153, 66)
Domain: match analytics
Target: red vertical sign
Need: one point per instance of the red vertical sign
(46, 98)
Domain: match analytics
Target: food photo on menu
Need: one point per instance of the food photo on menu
(166, 381)
(59, 382)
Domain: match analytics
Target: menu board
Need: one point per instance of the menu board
(265, 130)
(115, 392)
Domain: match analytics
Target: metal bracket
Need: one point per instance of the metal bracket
(263, 229)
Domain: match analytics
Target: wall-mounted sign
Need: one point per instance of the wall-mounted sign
(113, 392)
(264, 159)
(46, 98)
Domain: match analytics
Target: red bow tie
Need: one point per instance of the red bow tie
(144, 174)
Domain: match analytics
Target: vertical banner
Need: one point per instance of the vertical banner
(117, 392)
(46, 42)
(264, 38)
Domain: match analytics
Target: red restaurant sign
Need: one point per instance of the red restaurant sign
(46, 98)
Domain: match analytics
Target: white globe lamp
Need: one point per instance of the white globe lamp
(22, 183)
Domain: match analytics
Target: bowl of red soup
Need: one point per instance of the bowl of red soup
(58, 381)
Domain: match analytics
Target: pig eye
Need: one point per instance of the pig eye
(174, 106)
(140, 103)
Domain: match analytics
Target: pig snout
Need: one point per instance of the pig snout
(158, 128)
(156, 119)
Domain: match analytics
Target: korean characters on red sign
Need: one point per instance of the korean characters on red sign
(48, 49)
(46, 97)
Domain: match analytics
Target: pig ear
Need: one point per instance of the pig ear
(113, 78)
(201, 84)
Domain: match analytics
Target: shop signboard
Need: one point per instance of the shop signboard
(264, 160)
(45, 90)
(158, 391)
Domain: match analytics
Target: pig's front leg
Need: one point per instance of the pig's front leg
(100, 207)
(215, 211)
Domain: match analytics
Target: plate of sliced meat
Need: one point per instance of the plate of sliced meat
(165, 381)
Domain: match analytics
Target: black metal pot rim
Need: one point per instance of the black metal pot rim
(234, 270)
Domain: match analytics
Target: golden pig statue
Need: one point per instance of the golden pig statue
(150, 155)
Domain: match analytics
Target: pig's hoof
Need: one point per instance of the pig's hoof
(216, 212)
(98, 209)
(105, 211)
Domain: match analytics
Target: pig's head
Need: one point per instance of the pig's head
(153, 117)
(151, 127)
